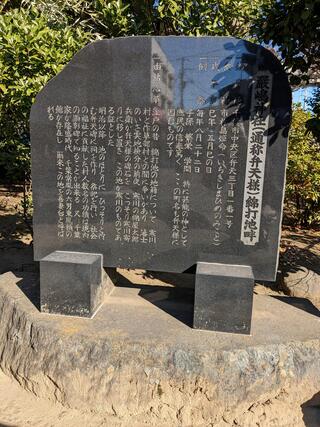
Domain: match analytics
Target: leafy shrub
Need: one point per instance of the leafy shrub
(292, 27)
(107, 18)
(103, 18)
(31, 53)
(313, 124)
(303, 172)
(218, 18)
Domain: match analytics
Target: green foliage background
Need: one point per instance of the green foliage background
(38, 37)
(303, 172)
(31, 53)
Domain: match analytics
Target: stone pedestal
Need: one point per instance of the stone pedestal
(223, 298)
(71, 283)
(138, 345)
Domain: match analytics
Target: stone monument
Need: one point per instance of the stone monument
(161, 153)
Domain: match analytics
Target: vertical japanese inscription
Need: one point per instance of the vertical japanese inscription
(80, 164)
(256, 158)
(199, 141)
(137, 170)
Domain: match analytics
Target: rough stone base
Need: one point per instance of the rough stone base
(139, 362)
(303, 283)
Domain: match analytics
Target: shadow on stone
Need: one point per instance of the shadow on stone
(311, 411)
(15, 255)
(118, 279)
(30, 286)
(175, 299)
(181, 280)
(13, 225)
(294, 258)
(300, 303)
(176, 302)
(307, 238)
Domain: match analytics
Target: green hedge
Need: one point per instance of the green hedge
(31, 53)
(303, 172)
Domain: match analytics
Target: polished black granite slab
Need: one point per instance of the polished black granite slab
(161, 152)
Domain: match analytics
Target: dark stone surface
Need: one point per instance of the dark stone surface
(223, 298)
(151, 191)
(71, 283)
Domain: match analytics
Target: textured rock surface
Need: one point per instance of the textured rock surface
(137, 364)
(23, 409)
(303, 283)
